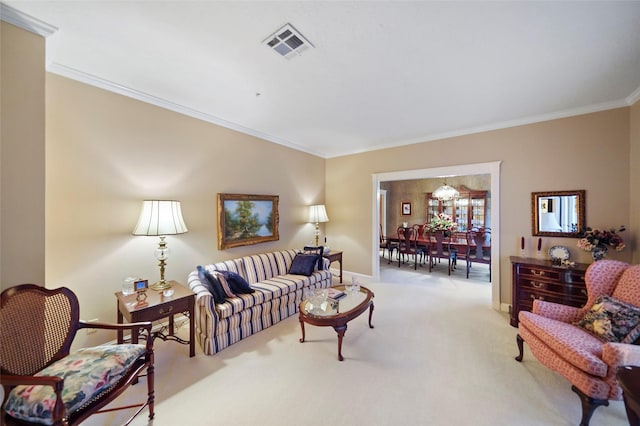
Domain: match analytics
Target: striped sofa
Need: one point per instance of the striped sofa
(277, 296)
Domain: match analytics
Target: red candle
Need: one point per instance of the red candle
(522, 243)
(539, 244)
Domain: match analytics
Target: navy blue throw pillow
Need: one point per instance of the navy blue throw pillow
(238, 284)
(212, 284)
(315, 250)
(303, 264)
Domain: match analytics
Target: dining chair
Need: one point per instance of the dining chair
(387, 245)
(459, 248)
(422, 241)
(440, 248)
(408, 244)
(479, 242)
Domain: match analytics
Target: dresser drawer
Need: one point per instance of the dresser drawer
(561, 289)
(528, 296)
(542, 285)
(536, 272)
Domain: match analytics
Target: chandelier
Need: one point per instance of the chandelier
(446, 192)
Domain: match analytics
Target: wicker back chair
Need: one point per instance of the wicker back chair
(37, 371)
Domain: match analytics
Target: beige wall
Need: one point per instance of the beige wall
(634, 168)
(22, 157)
(106, 153)
(585, 152)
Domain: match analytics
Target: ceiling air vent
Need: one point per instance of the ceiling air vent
(288, 42)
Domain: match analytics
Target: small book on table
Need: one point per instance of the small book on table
(335, 294)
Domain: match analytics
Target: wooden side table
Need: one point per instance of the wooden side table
(335, 256)
(158, 307)
(629, 379)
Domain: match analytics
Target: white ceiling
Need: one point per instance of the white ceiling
(382, 73)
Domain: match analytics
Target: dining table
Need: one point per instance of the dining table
(458, 242)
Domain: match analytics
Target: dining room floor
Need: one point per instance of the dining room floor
(391, 272)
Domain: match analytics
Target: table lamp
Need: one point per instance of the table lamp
(160, 218)
(318, 214)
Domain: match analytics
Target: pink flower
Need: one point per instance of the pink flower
(442, 222)
(592, 238)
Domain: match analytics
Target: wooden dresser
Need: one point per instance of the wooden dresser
(540, 279)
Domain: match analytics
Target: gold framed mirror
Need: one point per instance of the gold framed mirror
(558, 213)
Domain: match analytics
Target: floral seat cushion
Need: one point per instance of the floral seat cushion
(87, 373)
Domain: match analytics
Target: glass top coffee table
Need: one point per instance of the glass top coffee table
(337, 314)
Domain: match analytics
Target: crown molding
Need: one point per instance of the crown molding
(498, 126)
(633, 97)
(110, 86)
(26, 22)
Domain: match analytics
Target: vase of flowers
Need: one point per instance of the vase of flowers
(442, 222)
(598, 252)
(596, 241)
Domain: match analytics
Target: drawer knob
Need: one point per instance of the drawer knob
(583, 291)
(537, 285)
(538, 273)
(167, 311)
(533, 297)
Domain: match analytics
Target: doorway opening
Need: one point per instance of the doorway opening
(491, 168)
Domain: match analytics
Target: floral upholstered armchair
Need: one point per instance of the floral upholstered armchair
(44, 382)
(587, 345)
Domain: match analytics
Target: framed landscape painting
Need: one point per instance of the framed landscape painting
(246, 219)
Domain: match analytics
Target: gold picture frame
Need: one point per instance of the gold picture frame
(558, 213)
(247, 219)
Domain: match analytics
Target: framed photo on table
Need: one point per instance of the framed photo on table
(406, 208)
(246, 219)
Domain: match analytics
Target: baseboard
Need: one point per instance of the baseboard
(346, 275)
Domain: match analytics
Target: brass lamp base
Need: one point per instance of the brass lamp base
(162, 253)
(160, 285)
(317, 233)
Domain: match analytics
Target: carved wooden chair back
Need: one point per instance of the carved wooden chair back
(479, 245)
(385, 244)
(407, 244)
(440, 248)
(479, 242)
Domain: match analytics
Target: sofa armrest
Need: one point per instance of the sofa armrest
(204, 298)
(618, 354)
(557, 311)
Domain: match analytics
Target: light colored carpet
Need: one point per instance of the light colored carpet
(438, 355)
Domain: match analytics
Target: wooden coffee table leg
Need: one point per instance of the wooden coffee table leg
(302, 327)
(370, 314)
(340, 329)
